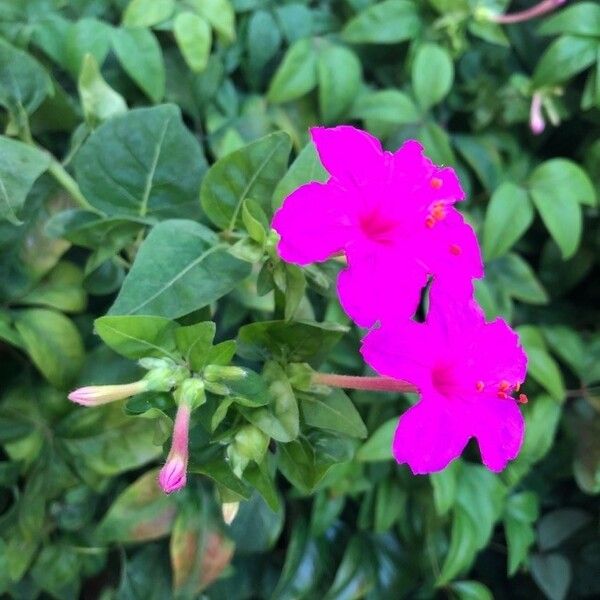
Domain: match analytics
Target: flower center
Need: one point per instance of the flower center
(378, 228)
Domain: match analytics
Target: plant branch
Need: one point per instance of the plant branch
(376, 384)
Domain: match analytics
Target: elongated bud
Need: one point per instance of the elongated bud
(217, 373)
(249, 443)
(96, 395)
(536, 118)
(173, 475)
(229, 510)
(191, 392)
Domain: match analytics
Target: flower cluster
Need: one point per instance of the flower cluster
(393, 216)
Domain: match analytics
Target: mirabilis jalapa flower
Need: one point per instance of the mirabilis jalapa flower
(391, 214)
(466, 371)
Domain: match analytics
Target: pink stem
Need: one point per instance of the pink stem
(531, 13)
(376, 384)
(181, 430)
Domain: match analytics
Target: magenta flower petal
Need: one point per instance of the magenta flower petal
(499, 427)
(429, 435)
(466, 371)
(349, 154)
(316, 223)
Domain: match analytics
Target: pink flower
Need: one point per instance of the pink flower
(466, 371)
(173, 475)
(391, 214)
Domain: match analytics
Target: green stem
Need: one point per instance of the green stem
(70, 185)
(376, 384)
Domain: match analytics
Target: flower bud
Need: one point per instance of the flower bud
(173, 475)
(249, 443)
(95, 395)
(164, 379)
(300, 376)
(218, 372)
(229, 510)
(536, 118)
(216, 388)
(191, 392)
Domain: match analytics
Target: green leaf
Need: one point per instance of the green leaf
(432, 74)
(298, 341)
(379, 445)
(179, 268)
(301, 466)
(145, 13)
(334, 412)
(552, 573)
(142, 163)
(250, 172)
(195, 342)
(568, 345)
(256, 527)
(463, 547)
(305, 168)
(140, 55)
(471, 590)
(296, 74)
(141, 512)
(53, 343)
(280, 420)
(508, 216)
(20, 166)
(511, 273)
(339, 75)
(220, 14)
(445, 486)
(61, 288)
(557, 526)
(99, 101)
(56, 571)
(391, 106)
(194, 38)
(522, 511)
(565, 57)
(387, 22)
(262, 42)
(581, 19)
(138, 336)
(543, 368)
(24, 84)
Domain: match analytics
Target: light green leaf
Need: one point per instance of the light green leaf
(194, 342)
(140, 55)
(391, 106)
(432, 74)
(178, 269)
(471, 590)
(581, 19)
(138, 336)
(220, 14)
(339, 75)
(250, 172)
(379, 445)
(564, 58)
(194, 38)
(20, 166)
(142, 163)
(99, 101)
(53, 343)
(387, 22)
(522, 511)
(508, 216)
(145, 13)
(296, 74)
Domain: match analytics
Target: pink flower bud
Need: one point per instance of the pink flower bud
(173, 476)
(95, 395)
(536, 118)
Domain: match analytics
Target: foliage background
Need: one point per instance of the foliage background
(112, 111)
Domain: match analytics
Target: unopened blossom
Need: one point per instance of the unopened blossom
(96, 395)
(468, 373)
(173, 475)
(536, 118)
(391, 214)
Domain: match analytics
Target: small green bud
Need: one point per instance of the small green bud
(300, 376)
(150, 362)
(190, 392)
(164, 379)
(220, 389)
(218, 373)
(249, 443)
